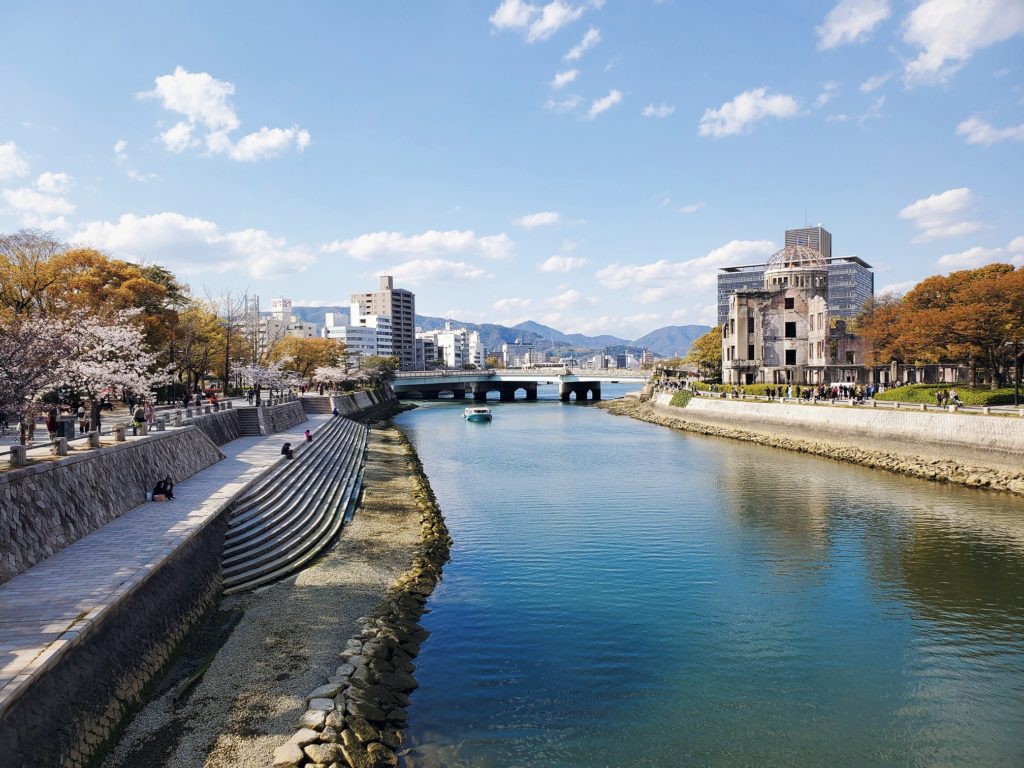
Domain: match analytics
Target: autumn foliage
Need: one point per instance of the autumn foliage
(972, 318)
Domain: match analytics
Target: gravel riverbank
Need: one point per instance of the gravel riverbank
(906, 463)
(289, 637)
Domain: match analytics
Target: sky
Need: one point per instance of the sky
(588, 165)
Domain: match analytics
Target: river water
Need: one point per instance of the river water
(620, 594)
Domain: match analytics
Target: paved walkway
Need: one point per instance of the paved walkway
(45, 610)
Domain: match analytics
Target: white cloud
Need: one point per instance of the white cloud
(874, 82)
(268, 142)
(661, 110)
(950, 31)
(539, 219)
(738, 115)
(562, 263)
(897, 288)
(941, 215)
(692, 208)
(604, 103)
(978, 256)
(428, 244)
(978, 131)
(851, 21)
(568, 104)
(42, 205)
(538, 22)
(420, 271)
(195, 245)
(513, 14)
(53, 183)
(121, 156)
(664, 279)
(562, 79)
(828, 92)
(842, 117)
(590, 39)
(548, 310)
(204, 102)
(873, 112)
(553, 17)
(13, 164)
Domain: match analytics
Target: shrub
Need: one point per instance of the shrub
(680, 399)
(925, 393)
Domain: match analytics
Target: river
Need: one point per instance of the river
(620, 594)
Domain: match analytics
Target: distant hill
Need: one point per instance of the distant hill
(670, 341)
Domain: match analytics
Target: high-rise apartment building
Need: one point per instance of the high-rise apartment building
(850, 279)
(400, 305)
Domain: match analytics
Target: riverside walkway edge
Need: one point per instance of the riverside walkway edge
(46, 611)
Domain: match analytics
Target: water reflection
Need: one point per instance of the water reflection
(621, 594)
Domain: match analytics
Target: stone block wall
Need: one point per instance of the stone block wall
(946, 432)
(49, 506)
(280, 418)
(221, 427)
(73, 711)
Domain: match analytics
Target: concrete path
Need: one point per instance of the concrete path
(44, 611)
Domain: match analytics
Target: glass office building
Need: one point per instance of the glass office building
(850, 279)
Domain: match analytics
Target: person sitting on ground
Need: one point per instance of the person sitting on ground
(308, 435)
(164, 490)
(286, 450)
(334, 412)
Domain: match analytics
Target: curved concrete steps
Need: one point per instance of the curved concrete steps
(282, 523)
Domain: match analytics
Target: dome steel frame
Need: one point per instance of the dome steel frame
(796, 257)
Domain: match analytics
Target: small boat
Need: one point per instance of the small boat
(477, 413)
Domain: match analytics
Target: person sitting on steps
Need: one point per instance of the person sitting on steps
(286, 450)
(308, 435)
(164, 490)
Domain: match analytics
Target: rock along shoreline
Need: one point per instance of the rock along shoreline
(357, 718)
(938, 470)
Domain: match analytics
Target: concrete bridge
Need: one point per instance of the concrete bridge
(429, 385)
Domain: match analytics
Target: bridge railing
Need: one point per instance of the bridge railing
(625, 373)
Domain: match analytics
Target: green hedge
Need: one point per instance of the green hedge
(925, 393)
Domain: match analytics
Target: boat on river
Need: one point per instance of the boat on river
(477, 413)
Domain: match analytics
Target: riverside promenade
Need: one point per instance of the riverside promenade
(47, 610)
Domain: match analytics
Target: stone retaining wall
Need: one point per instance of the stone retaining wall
(362, 405)
(972, 433)
(900, 461)
(221, 427)
(50, 505)
(357, 718)
(282, 417)
(70, 713)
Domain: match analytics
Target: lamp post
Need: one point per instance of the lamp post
(1016, 373)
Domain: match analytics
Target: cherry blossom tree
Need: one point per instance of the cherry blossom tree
(34, 352)
(111, 355)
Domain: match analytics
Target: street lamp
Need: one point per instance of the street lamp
(1016, 371)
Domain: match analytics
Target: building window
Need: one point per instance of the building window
(849, 358)
(790, 357)
(732, 351)
(750, 351)
(725, 331)
(789, 302)
(732, 325)
(791, 330)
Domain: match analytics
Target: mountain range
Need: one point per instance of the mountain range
(670, 341)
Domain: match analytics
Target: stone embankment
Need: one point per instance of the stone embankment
(357, 718)
(52, 504)
(905, 463)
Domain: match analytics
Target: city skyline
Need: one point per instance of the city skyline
(586, 165)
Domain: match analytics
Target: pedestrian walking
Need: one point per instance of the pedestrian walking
(52, 418)
(150, 413)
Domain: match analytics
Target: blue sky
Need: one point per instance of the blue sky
(584, 164)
